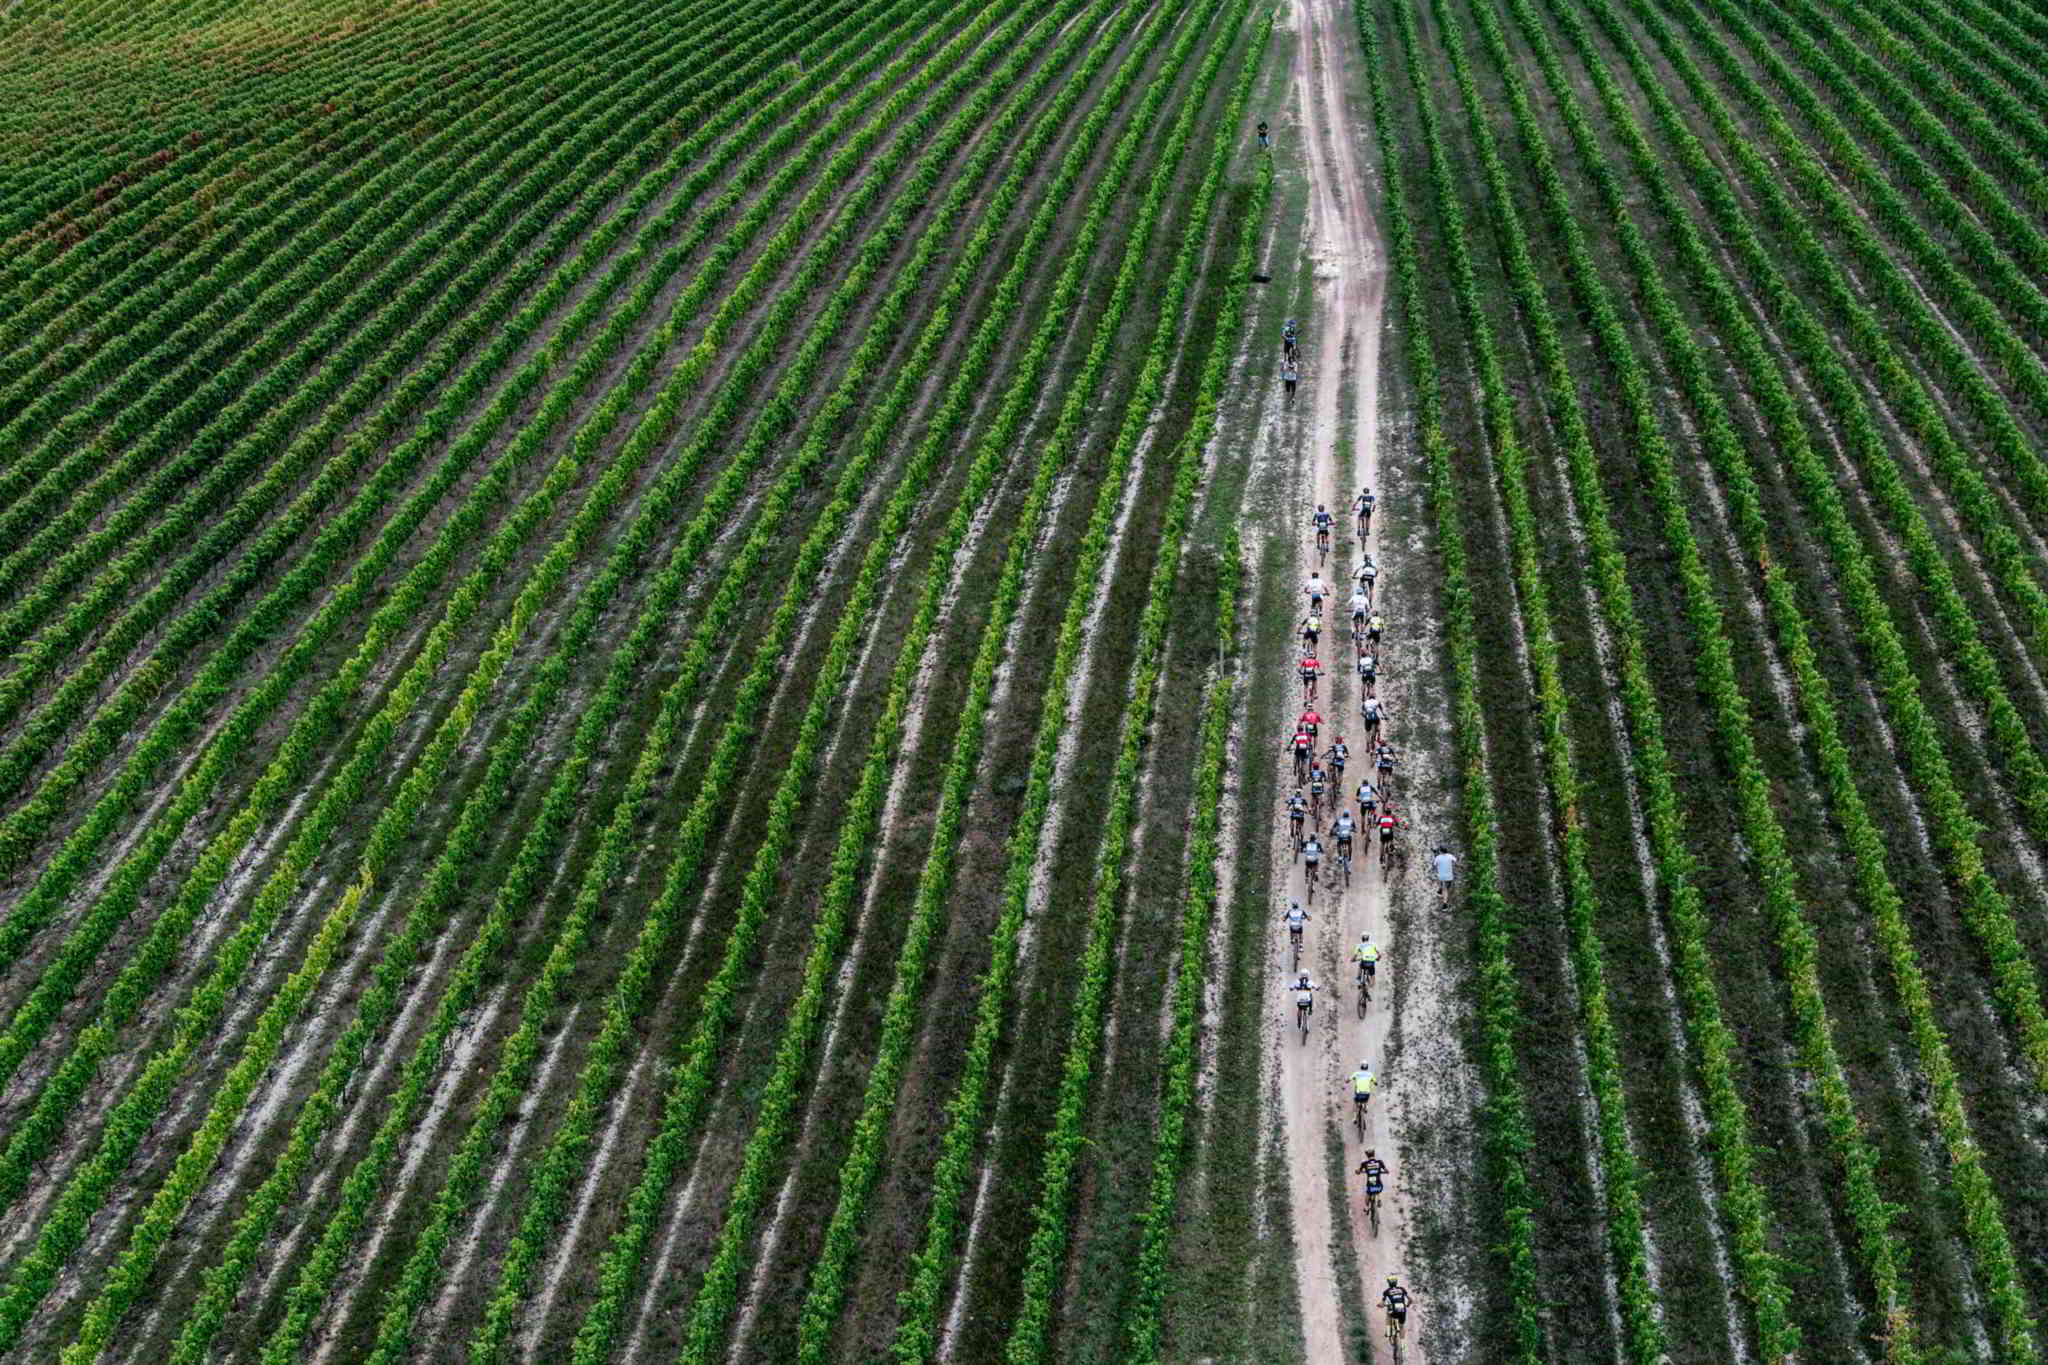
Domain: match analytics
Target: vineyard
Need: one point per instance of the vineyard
(649, 651)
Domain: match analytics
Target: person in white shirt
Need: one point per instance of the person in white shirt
(1445, 864)
(1317, 590)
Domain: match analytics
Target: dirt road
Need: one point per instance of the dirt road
(1340, 339)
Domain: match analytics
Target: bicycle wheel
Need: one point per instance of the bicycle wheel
(1372, 1212)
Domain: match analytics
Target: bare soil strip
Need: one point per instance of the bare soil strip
(1340, 349)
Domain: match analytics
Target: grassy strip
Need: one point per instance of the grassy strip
(1641, 1316)
(916, 1336)
(1151, 1277)
(1954, 829)
(717, 1295)
(2023, 766)
(404, 1299)
(1031, 1326)
(561, 1165)
(1997, 1267)
(1504, 1120)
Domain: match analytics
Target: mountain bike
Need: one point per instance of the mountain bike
(1364, 989)
(1395, 1326)
(1344, 863)
(1358, 1105)
(1294, 934)
(1372, 1210)
(1322, 544)
(1302, 1010)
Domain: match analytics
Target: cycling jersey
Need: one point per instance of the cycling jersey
(1362, 1083)
(1296, 917)
(1358, 604)
(1361, 504)
(1367, 952)
(1312, 851)
(1309, 667)
(1323, 520)
(1396, 1300)
(1387, 823)
(1344, 827)
(1314, 586)
(1375, 1172)
(1303, 741)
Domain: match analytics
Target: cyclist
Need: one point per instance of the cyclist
(1362, 1085)
(1396, 1300)
(1337, 755)
(1304, 746)
(1264, 143)
(1386, 767)
(1369, 712)
(1290, 342)
(1374, 627)
(1310, 669)
(1297, 811)
(1311, 721)
(1369, 673)
(1303, 991)
(1361, 507)
(1312, 855)
(1341, 831)
(1296, 918)
(1375, 1172)
(1290, 377)
(1360, 605)
(1311, 632)
(1367, 574)
(1368, 803)
(1367, 956)
(1445, 864)
(1315, 588)
(1322, 521)
(1388, 823)
(1318, 787)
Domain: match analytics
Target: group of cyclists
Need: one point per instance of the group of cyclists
(1321, 825)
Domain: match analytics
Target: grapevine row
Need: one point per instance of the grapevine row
(1507, 1135)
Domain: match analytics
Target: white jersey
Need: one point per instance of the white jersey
(1314, 586)
(1359, 604)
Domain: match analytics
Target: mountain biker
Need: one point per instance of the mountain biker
(1368, 803)
(1341, 831)
(1315, 588)
(1310, 668)
(1304, 988)
(1388, 823)
(1366, 575)
(1445, 864)
(1290, 377)
(1311, 632)
(1362, 1084)
(1322, 521)
(1318, 785)
(1369, 712)
(1337, 755)
(1375, 1172)
(1264, 143)
(1312, 721)
(1374, 627)
(1385, 763)
(1367, 956)
(1363, 506)
(1396, 1300)
(1369, 672)
(1312, 853)
(1360, 605)
(1297, 811)
(1304, 746)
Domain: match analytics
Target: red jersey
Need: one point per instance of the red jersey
(1387, 823)
(1310, 721)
